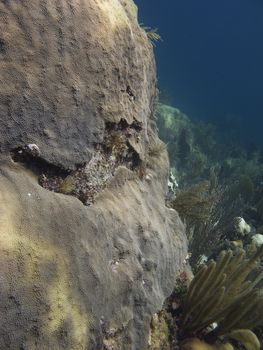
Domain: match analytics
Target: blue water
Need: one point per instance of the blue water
(210, 63)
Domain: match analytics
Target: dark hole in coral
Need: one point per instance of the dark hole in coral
(123, 124)
(130, 93)
(2, 46)
(36, 164)
(136, 160)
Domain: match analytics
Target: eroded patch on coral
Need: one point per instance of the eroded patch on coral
(88, 179)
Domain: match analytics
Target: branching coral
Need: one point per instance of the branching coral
(225, 293)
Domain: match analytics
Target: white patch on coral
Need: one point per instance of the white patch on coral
(214, 325)
(172, 184)
(148, 177)
(242, 227)
(114, 265)
(202, 259)
(216, 223)
(188, 256)
(257, 239)
(33, 148)
(114, 12)
(172, 181)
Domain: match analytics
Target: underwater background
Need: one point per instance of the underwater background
(210, 61)
(209, 64)
(209, 58)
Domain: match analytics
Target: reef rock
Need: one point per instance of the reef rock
(75, 276)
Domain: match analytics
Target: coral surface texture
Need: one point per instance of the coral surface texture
(81, 273)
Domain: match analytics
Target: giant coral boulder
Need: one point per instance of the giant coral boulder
(66, 68)
(76, 276)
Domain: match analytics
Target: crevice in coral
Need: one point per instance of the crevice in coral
(129, 92)
(2, 46)
(124, 125)
(90, 178)
(30, 158)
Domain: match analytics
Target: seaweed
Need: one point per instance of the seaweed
(157, 149)
(152, 34)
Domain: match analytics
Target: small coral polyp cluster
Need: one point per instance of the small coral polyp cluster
(224, 302)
